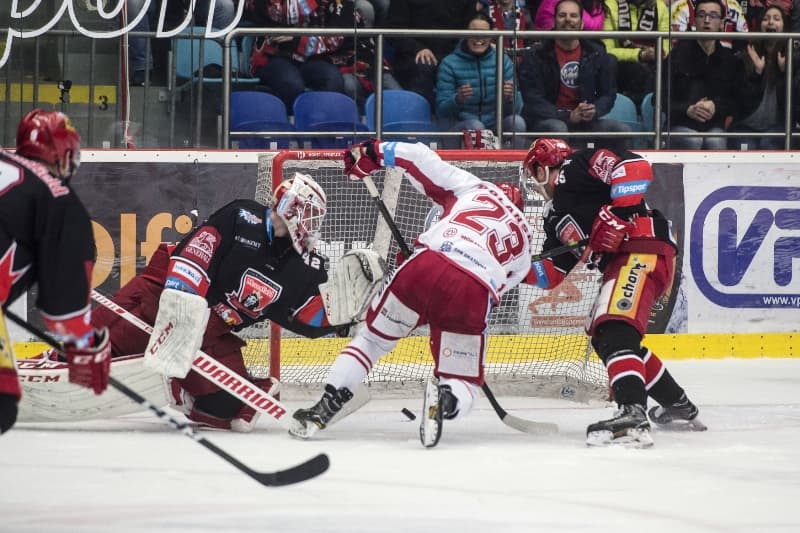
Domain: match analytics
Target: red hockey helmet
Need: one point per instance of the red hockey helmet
(513, 193)
(547, 153)
(49, 137)
(301, 203)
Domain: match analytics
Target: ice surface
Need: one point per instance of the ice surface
(136, 474)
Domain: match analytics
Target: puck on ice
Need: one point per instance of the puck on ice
(409, 414)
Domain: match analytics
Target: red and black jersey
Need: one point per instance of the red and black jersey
(247, 274)
(590, 179)
(45, 239)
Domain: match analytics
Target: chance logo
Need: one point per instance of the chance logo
(743, 244)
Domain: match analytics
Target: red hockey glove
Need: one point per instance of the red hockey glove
(89, 367)
(361, 160)
(608, 231)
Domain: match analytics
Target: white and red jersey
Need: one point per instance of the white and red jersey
(480, 231)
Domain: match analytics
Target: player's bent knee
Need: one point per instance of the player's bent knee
(614, 336)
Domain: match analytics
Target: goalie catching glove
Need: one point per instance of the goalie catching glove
(346, 295)
(177, 334)
(361, 160)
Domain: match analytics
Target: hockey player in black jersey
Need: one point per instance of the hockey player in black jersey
(46, 240)
(599, 194)
(247, 263)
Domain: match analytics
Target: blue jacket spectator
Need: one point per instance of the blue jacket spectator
(466, 86)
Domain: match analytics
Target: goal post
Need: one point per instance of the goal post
(537, 345)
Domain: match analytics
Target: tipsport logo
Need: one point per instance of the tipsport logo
(745, 247)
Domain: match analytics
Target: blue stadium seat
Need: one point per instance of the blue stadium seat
(189, 64)
(624, 110)
(259, 111)
(402, 111)
(327, 111)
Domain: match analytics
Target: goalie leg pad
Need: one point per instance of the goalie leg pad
(177, 334)
(354, 282)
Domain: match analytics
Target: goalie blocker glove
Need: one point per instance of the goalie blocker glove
(361, 160)
(177, 334)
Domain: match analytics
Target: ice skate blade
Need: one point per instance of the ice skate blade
(633, 438)
(430, 427)
(682, 425)
(301, 431)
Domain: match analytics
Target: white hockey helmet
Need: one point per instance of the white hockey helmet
(301, 204)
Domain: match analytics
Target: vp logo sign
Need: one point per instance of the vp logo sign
(743, 246)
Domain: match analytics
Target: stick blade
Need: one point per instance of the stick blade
(529, 426)
(296, 474)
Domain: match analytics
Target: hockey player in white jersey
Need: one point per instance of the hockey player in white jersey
(460, 268)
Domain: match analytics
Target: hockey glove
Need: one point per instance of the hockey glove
(361, 160)
(89, 367)
(608, 231)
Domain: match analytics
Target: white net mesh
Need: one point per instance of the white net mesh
(537, 345)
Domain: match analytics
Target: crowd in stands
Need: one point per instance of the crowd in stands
(561, 85)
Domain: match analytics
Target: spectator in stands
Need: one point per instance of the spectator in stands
(289, 65)
(466, 87)
(593, 15)
(509, 15)
(704, 82)
(373, 12)
(568, 83)
(763, 104)
(224, 15)
(415, 59)
(682, 18)
(635, 57)
(357, 62)
(139, 60)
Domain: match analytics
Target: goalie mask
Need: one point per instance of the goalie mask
(546, 153)
(49, 137)
(301, 203)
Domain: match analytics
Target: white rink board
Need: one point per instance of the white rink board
(742, 257)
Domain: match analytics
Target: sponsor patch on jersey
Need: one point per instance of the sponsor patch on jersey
(191, 273)
(248, 243)
(228, 315)
(202, 246)
(629, 285)
(449, 233)
(250, 217)
(568, 232)
(255, 293)
(602, 165)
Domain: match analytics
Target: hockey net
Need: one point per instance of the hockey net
(537, 346)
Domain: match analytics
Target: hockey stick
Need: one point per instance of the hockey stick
(302, 472)
(525, 426)
(231, 382)
(558, 250)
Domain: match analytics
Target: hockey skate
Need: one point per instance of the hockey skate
(439, 404)
(306, 422)
(629, 427)
(679, 416)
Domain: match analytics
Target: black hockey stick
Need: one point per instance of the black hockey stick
(302, 472)
(558, 250)
(526, 426)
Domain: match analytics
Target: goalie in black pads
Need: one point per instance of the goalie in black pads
(245, 264)
(599, 194)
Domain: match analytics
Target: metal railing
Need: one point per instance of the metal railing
(225, 136)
